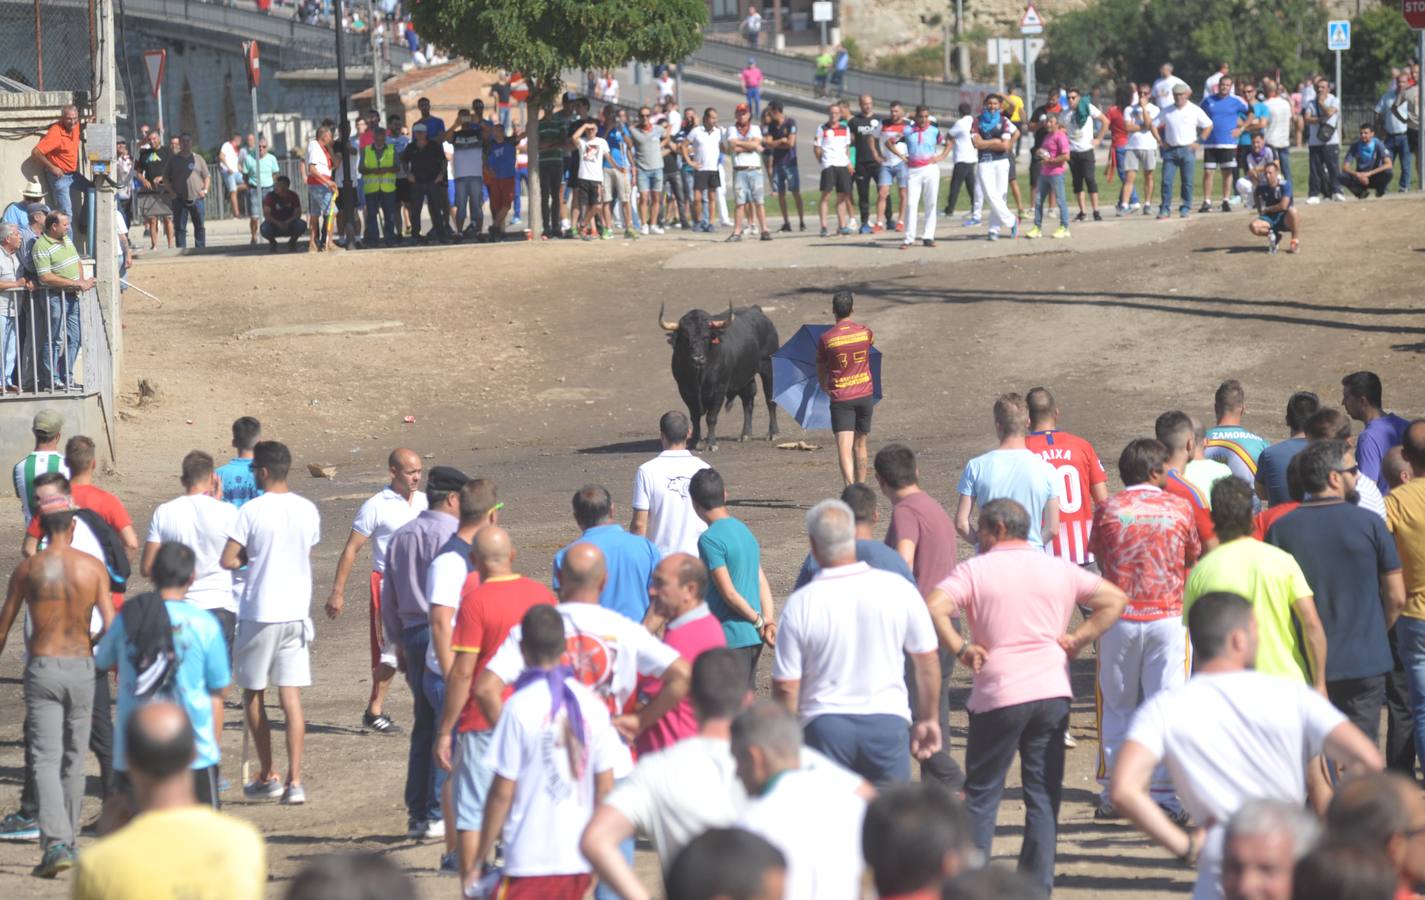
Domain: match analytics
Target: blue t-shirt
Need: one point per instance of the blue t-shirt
(1259, 109)
(874, 553)
(616, 137)
(1368, 155)
(500, 158)
(1271, 468)
(629, 560)
(1343, 550)
(729, 543)
(1225, 113)
(1018, 475)
(18, 214)
(238, 484)
(202, 669)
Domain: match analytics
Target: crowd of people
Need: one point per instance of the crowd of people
(1255, 607)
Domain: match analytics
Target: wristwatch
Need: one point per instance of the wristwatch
(758, 623)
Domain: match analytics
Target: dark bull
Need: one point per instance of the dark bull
(718, 360)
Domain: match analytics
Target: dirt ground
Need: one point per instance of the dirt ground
(542, 367)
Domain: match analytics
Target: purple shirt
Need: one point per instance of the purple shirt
(1375, 441)
(1056, 144)
(403, 591)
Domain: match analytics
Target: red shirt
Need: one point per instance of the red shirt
(1145, 540)
(1079, 468)
(690, 635)
(844, 351)
(88, 496)
(1266, 517)
(1116, 126)
(488, 610)
(1178, 485)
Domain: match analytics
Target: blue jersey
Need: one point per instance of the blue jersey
(1226, 114)
(1368, 155)
(238, 484)
(616, 138)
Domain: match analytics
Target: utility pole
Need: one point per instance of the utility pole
(346, 191)
(105, 239)
(962, 53)
(378, 63)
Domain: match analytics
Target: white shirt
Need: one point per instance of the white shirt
(551, 806)
(202, 524)
(278, 531)
(844, 636)
(1370, 497)
(817, 826)
(1141, 140)
(1278, 130)
(228, 158)
(665, 87)
(1163, 90)
(745, 159)
(1326, 102)
(592, 152)
(609, 652)
(445, 579)
(380, 516)
(965, 151)
(706, 148)
(1181, 126)
(1228, 738)
(608, 89)
(1209, 87)
(678, 793)
(835, 144)
(1080, 136)
(317, 159)
(661, 489)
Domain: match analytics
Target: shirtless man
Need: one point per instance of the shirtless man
(60, 586)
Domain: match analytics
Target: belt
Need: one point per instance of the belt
(1176, 146)
(746, 168)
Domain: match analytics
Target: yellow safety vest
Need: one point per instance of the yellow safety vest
(378, 182)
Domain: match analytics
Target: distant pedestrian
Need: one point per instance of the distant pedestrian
(752, 83)
(993, 134)
(239, 485)
(628, 558)
(58, 153)
(188, 181)
(843, 363)
(752, 26)
(1085, 126)
(1011, 471)
(1361, 396)
(921, 149)
(1228, 442)
(1323, 143)
(662, 509)
(1180, 125)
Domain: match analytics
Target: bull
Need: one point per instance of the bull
(718, 360)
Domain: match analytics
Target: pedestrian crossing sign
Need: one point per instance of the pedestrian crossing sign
(1338, 34)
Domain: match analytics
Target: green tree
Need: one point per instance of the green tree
(1380, 40)
(542, 38)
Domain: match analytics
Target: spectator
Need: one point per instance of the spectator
(1361, 396)
(1175, 431)
(662, 509)
(1273, 460)
(60, 274)
(866, 152)
(230, 168)
(321, 189)
(593, 150)
(1401, 117)
(1019, 601)
(426, 163)
(893, 169)
(914, 837)
(1053, 152)
(728, 862)
(752, 81)
(1180, 125)
(843, 363)
(1226, 736)
(1264, 841)
(822, 72)
(353, 876)
(1252, 167)
(1123, 98)
(14, 292)
(1368, 165)
(963, 157)
(1078, 468)
(752, 26)
(738, 593)
(46, 458)
(921, 149)
(200, 849)
(378, 179)
(1141, 150)
(18, 213)
(153, 204)
(1227, 441)
(80, 461)
(1079, 122)
(1277, 129)
(677, 589)
(468, 138)
(1405, 517)
(992, 883)
(833, 152)
(993, 135)
(840, 657)
(1344, 870)
(1037, 124)
(258, 170)
(862, 501)
(1330, 424)
(186, 180)
(282, 215)
(629, 559)
(1010, 471)
(811, 815)
(1230, 116)
(1323, 118)
(1386, 812)
(744, 140)
(839, 66)
(651, 143)
(780, 138)
(58, 153)
(501, 160)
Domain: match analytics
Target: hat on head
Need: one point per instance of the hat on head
(742, 108)
(47, 422)
(1180, 89)
(33, 189)
(446, 478)
(419, 126)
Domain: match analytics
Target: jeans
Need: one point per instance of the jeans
(1325, 177)
(625, 849)
(551, 174)
(422, 803)
(1410, 642)
(521, 184)
(1118, 155)
(1399, 147)
(754, 100)
(876, 747)
(63, 334)
(469, 194)
(1399, 733)
(504, 114)
(62, 187)
(182, 211)
(1036, 730)
(35, 371)
(59, 698)
(10, 361)
(383, 203)
(1177, 160)
(1046, 185)
(433, 686)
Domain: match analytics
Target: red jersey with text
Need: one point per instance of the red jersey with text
(1145, 540)
(1177, 484)
(844, 350)
(487, 612)
(1078, 468)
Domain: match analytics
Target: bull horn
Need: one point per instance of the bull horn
(723, 323)
(665, 325)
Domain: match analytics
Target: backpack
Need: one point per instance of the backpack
(116, 557)
(150, 645)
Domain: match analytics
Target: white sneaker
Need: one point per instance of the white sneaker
(657, 229)
(1069, 741)
(1338, 197)
(1312, 201)
(435, 830)
(644, 229)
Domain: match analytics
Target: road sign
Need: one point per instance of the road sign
(1011, 50)
(155, 61)
(821, 11)
(1031, 22)
(254, 65)
(1414, 13)
(1338, 34)
(519, 88)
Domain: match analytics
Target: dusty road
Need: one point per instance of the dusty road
(541, 366)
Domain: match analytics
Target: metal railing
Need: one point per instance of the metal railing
(56, 343)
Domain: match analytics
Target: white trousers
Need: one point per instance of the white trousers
(1247, 190)
(993, 178)
(1137, 658)
(922, 186)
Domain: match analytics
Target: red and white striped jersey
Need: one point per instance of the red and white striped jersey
(1077, 465)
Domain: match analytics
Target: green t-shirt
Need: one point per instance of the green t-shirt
(1270, 579)
(728, 542)
(259, 172)
(58, 257)
(823, 64)
(553, 132)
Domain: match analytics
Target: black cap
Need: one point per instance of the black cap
(447, 479)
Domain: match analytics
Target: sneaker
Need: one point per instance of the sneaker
(970, 222)
(993, 235)
(877, 229)
(270, 789)
(900, 226)
(606, 235)
(905, 245)
(1226, 206)
(928, 242)
(1033, 233)
(786, 227)
(1119, 210)
(1183, 215)
(1069, 741)
(435, 829)
(1294, 247)
(1014, 229)
(1312, 201)
(1179, 817)
(1272, 240)
(1061, 232)
(416, 829)
(766, 236)
(1081, 217)
(657, 229)
(1338, 197)
(380, 723)
(733, 237)
(1106, 812)
(843, 230)
(449, 864)
(644, 229)
(725, 223)
(1147, 210)
(1205, 207)
(1134, 207)
(824, 232)
(294, 795)
(864, 229)
(19, 827)
(58, 858)
(1097, 216)
(802, 227)
(630, 233)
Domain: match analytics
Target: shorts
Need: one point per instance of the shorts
(1145, 160)
(588, 189)
(383, 652)
(470, 778)
(836, 178)
(786, 177)
(615, 185)
(319, 199)
(1219, 158)
(231, 180)
(275, 650)
(502, 192)
(544, 887)
(748, 185)
(650, 182)
(1276, 221)
(852, 415)
(899, 174)
(707, 181)
(255, 196)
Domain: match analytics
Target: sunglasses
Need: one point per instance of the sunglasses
(1353, 470)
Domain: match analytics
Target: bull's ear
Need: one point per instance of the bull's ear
(671, 336)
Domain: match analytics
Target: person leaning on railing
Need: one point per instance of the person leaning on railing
(61, 274)
(12, 285)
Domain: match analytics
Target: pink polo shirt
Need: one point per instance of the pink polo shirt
(1018, 600)
(690, 634)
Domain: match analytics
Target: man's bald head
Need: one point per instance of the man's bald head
(159, 741)
(1412, 446)
(405, 465)
(1394, 469)
(494, 553)
(581, 574)
(1383, 811)
(403, 456)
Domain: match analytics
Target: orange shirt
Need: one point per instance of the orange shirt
(61, 147)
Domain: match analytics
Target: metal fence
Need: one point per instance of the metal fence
(57, 342)
(47, 47)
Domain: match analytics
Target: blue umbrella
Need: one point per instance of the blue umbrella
(794, 376)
